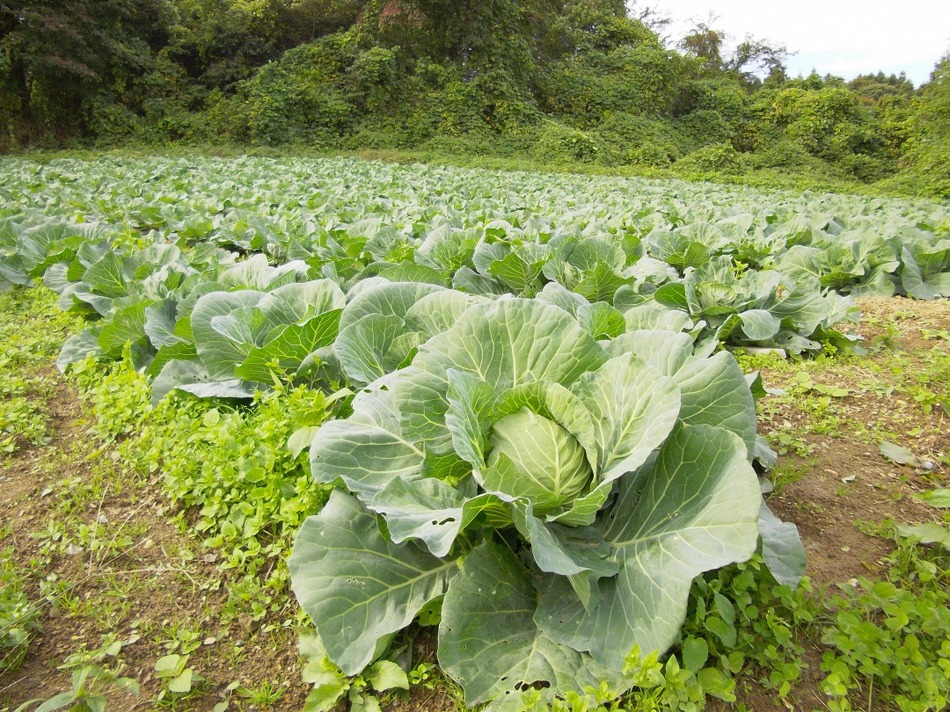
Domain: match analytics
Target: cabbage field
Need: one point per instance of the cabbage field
(537, 433)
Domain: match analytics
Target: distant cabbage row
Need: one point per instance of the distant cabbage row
(749, 270)
(545, 428)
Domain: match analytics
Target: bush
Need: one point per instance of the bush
(928, 172)
(305, 97)
(703, 127)
(716, 158)
(590, 87)
(640, 140)
(559, 144)
(468, 145)
(113, 123)
(789, 156)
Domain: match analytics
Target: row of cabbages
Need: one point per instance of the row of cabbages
(340, 210)
(142, 290)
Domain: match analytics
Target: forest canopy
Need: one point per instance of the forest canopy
(556, 81)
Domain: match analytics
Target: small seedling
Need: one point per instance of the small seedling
(91, 680)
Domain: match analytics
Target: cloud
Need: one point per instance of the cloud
(845, 38)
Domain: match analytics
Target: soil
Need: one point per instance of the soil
(845, 488)
(848, 485)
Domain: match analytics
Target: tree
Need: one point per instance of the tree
(705, 44)
(55, 55)
(748, 62)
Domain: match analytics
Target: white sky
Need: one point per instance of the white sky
(840, 37)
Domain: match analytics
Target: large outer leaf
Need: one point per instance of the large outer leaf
(220, 354)
(357, 586)
(106, 276)
(580, 552)
(488, 640)
(160, 320)
(289, 345)
(231, 388)
(387, 299)
(365, 348)
(666, 351)
(655, 316)
(781, 547)
(516, 273)
(634, 409)
(438, 311)
(430, 510)
(78, 347)
(759, 325)
(191, 377)
(175, 373)
(804, 307)
(469, 416)
(255, 273)
(694, 510)
(299, 302)
(712, 390)
(913, 279)
(601, 320)
(79, 297)
(370, 343)
(366, 450)
(126, 326)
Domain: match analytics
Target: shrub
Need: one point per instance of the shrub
(558, 143)
(716, 158)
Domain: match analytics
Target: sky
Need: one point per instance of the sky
(840, 37)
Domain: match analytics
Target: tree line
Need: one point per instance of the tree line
(572, 81)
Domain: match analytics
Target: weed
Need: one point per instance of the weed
(787, 473)
(18, 617)
(330, 685)
(789, 440)
(263, 696)
(889, 641)
(177, 677)
(32, 329)
(92, 678)
(230, 465)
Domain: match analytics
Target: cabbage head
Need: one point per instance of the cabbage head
(544, 462)
(557, 494)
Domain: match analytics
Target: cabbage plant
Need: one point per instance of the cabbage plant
(557, 494)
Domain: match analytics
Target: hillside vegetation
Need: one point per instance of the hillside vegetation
(549, 81)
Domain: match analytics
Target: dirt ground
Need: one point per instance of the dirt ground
(846, 482)
(837, 486)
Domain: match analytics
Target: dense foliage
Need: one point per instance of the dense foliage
(563, 81)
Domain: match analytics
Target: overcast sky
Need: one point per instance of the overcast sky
(841, 37)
